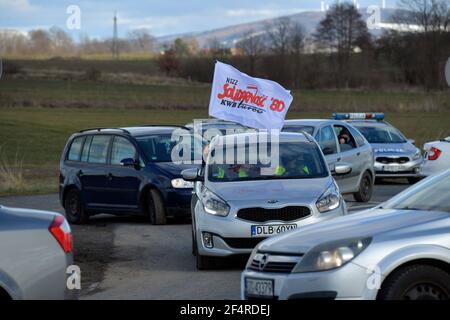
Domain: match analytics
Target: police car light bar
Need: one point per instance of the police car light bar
(358, 116)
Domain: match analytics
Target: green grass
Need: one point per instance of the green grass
(60, 93)
(38, 116)
(38, 135)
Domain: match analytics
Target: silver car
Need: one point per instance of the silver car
(395, 156)
(35, 251)
(398, 250)
(240, 205)
(342, 143)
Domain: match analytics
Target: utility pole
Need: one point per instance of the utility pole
(115, 44)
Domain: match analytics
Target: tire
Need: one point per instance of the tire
(417, 282)
(74, 208)
(413, 180)
(365, 190)
(156, 209)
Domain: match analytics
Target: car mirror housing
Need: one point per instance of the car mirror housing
(128, 162)
(342, 168)
(191, 174)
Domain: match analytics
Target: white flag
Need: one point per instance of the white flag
(253, 102)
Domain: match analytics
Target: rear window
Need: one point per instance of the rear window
(99, 149)
(75, 149)
(299, 129)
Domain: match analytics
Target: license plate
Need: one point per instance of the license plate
(268, 230)
(259, 287)
(393, 168)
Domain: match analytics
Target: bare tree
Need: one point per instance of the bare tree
(341, 32)
(13, 44)
(40, 41)
(296, 46)
(279, 35)
(141, 40)
(62, 43)
(217, 49)
(428, 23)
(251, 46)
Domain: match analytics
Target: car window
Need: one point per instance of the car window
(381, 134)
(431, 195)
(99, 149)
(327, 140)
(360, 141)
(297, 160)
(86, 147)
(158, 148)
(298, 129)
(75, 149)
(346, 140)
(121, 149)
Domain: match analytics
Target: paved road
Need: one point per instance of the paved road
(126, 258)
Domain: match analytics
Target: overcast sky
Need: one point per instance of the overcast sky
(161, 17)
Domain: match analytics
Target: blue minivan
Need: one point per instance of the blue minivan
(126, 171)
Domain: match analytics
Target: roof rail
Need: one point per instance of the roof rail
(164, 125)
(100, 129)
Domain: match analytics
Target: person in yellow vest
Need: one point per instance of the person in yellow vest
(292, 167)
(238, 171)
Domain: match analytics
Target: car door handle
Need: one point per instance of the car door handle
(80, 173)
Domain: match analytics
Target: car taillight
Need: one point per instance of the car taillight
(61, 231)
(434, 153)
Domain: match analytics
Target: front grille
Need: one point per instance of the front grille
(284, 214)
(386, 160)
(278, 267)
(242, 243)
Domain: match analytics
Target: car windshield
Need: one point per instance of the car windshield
(297, 160)
(382, 134)
(223, 128)
(299, 129)
(158, 148)
(431, 196)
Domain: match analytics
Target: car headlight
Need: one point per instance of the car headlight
(182, 184)
(214, 205)
(417, 155)
(331, 255)
(329, 200)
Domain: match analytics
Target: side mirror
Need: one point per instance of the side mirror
(191, 174)
(341, 168)
(412, 141)
(128, 162)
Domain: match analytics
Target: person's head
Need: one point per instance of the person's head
(344, 138)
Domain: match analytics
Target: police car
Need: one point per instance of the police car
(395, 155)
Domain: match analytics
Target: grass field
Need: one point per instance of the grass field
(89, 94)
(48, 100)
(37, 136)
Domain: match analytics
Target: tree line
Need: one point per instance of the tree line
(340, 53)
